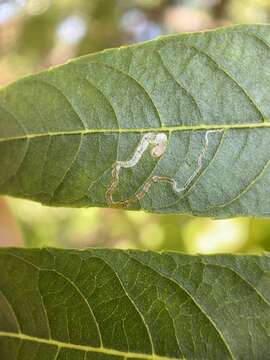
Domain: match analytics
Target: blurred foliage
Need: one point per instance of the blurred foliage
(36, 34)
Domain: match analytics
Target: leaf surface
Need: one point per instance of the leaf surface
(175, 125)
(115, 305)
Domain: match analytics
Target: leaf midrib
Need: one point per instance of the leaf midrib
(85, 348)
(139, 130)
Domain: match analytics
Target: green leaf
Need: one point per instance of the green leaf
(115, 304)
(175, 125)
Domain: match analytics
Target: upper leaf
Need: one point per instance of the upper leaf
(119, 305)
(178, 124)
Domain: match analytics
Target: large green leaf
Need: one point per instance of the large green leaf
(178, 124)
(113, 304)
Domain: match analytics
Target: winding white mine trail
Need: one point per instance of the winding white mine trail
(159, 142)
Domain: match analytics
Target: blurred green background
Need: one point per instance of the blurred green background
(36, 34)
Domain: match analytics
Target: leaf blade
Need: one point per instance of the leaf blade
(69, 127)
(146, 305)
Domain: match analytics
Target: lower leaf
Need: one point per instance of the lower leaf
(114, 304)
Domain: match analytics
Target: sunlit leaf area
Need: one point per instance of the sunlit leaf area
(37, 34)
